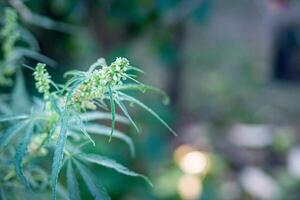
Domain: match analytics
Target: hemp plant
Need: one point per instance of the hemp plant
(17, 43)
(64, 120)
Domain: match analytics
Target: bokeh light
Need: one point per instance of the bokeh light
(189, 187)
(195, 162)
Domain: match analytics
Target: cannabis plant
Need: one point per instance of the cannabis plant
(17, 43)
(64, 121)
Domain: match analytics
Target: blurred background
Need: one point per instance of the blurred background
(232, 70)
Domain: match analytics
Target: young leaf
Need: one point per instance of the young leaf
(136, 101)
(73, 188)
(144, 88)
(109, 163)
(20, 153)
(97, 190)
(58, 156)
(104, 130)
(124, 110)
(113, 112)
(10, 133)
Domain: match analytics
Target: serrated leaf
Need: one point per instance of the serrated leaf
(109, 163)
(4, 118)
(96, 115)
(73, 188)
(138, 102)
(95, 188)
(10, 133)
(113, 112)
(104, 130)
(58, 156)
(20, 154)
(124, 110)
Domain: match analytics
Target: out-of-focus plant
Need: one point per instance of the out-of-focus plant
(17, 43)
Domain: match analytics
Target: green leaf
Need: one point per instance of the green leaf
(95, 188)
(4, 118)
(73, 188)
(29, 38)
(82, 128)
(4, 108)
(54, 104)
(61, 192)
(20, 154)
(136, 101)
(58, 156)
(144, 88)
(113, 112)
(3, 194)
(130, 78)
(96, 115)
(23, 52)
(74, 73)
(124, 110)
(109, 163)
(50, 134)
(20, 92)
(136, 69)
(10, 133)
(104, 130)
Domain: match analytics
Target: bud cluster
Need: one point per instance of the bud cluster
(97, 83)
(42, 78)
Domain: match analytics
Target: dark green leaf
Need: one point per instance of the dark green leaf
(113, 112)
(95, 188)
(20, 154)
(58, 156)
(10, 133)
(109, 163)
(104, 130)
(73, 188)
